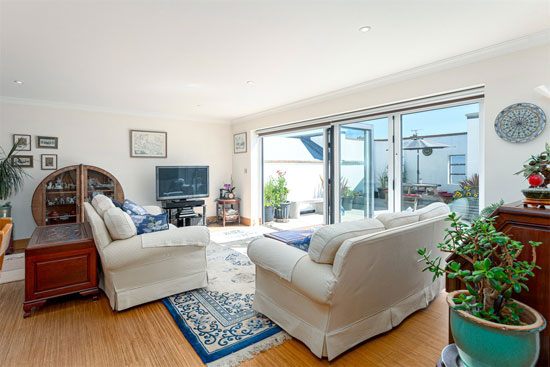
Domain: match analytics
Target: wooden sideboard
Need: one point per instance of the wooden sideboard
(526, 224)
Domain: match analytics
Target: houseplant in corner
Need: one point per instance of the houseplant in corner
(280, 202)
(11, 180)
(269, 199)
(490, 328)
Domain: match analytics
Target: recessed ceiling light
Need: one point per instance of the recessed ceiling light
(365, 29)
(250, 82)
(18, 82)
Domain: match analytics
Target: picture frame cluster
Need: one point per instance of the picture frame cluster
(24, 144)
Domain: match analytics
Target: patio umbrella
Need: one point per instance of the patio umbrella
(418, 144)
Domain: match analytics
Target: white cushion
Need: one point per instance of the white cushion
(119, 224)
(392, 220)
(101, 204)
(432, 210)
(326, 241)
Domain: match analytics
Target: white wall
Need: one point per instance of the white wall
(102, 139)
(508, 79)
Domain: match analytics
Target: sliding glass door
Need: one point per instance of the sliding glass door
(358, 168)
(295, 160)
(363, 169)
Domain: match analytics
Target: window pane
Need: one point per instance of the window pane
(458, 170)
(440, 150)
(458, 159)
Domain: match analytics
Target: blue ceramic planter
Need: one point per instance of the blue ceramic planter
(483, 343)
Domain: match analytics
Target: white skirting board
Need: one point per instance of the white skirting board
(13, 268)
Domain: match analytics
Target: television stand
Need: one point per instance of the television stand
(182, 213)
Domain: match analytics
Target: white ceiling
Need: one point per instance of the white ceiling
(191, 59)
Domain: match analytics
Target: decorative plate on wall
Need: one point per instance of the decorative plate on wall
(520, 122)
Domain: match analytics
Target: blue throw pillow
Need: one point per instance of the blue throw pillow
(149, 223)
(117, 203)
(132, 208)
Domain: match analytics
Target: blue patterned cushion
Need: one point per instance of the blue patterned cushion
(302, 244)
(117, 203)
(132, 208)
(149, 223)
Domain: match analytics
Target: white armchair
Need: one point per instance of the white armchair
(359, 279)
(132, 275)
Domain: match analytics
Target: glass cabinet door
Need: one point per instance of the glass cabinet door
(62, 199)
(98, 183)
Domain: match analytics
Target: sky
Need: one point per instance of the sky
(432, 122)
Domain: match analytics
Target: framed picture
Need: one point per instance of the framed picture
(25, 161)
(239, 143)
(148, 144)
(49, 161)
(47, 142)
(23, 141)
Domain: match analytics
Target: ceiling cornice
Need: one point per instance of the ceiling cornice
(532, 40)
(89, 108)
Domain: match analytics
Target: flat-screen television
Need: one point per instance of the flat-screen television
(182, 182)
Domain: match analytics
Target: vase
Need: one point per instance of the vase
(5, 211)
(282, 212)
(483, 343)
(268, 213)
(347, 203)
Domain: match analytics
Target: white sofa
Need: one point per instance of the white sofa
(358, 279)
(133, 275)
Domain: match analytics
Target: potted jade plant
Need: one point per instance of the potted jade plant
(280, 202)
(269, 199)
(11, 180)
(490, 328)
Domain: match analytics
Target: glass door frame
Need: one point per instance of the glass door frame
(335, 162)
(328, 215)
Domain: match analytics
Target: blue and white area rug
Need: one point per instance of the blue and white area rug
(218, 320)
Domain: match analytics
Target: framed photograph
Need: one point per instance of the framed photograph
(148, 144)
(25, 161)
(239, 143)
(49, 161)
(23, 141)
(47, 142)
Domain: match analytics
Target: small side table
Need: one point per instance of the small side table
(60, 260)
(221, 213)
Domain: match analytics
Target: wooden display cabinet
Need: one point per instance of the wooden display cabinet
(58, 198)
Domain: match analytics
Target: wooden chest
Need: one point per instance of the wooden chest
(59, 260)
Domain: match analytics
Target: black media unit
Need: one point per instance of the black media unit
(182, 213)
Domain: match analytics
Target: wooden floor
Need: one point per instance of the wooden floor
(80, 332)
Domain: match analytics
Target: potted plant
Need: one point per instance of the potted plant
(280, 202)
(537, 171)
(358, 200)
(269, 199)
(347, 195)
(383, 182)
(11, 180)
(490, 328)
(229, 188)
